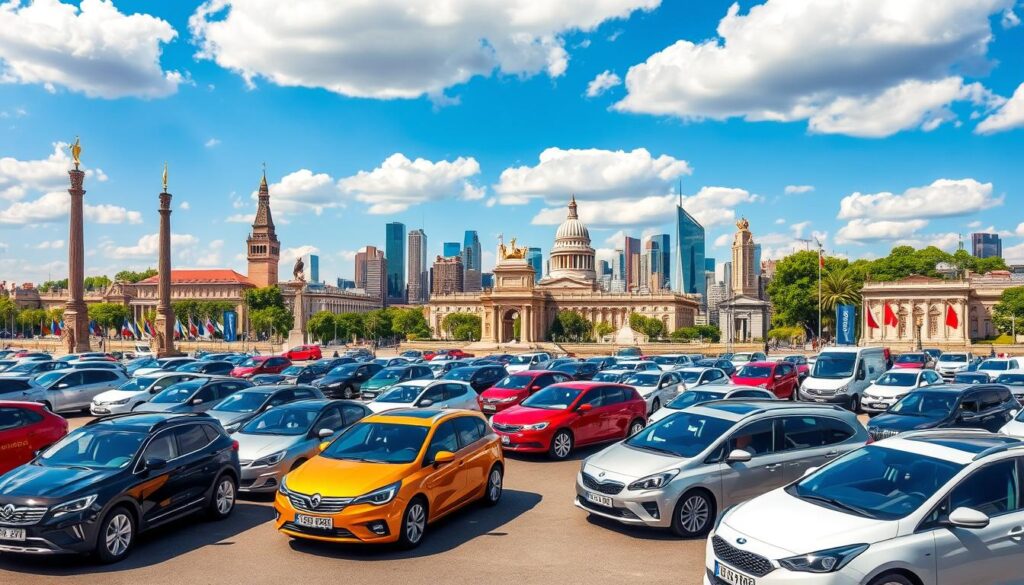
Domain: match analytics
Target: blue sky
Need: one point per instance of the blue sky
(891, 121)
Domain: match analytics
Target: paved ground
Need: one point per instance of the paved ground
(535, 535)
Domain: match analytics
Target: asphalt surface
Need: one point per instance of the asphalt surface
(535, 535)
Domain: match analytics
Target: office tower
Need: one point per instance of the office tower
(395, 253)
(689, 254)
(418, 291)
(471, 251)
(535, 258)
(986, 246)
(447, 275)
(631, 251)
(311, 268)
(452, 249)
(362, 258)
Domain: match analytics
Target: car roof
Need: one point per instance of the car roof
(958, 445)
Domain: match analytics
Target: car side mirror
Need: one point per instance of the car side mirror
(425, 403)
(968, 518)
(810, 470)
(738, 456)
(584, 408)
(324, 433)
(443, 457)
(154, 464)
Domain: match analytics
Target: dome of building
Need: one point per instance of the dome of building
(571, 254)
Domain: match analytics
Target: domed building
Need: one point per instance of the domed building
(570, 285)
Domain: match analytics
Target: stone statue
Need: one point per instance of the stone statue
(76, 152)
(297, 271)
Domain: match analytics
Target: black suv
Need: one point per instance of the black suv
(101, 485)
(345, 380)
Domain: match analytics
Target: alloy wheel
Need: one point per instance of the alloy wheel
(415, 522)
(563, 445)
(694, 513)
(118, 535)
(225, 496)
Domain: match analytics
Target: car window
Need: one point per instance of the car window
(756, 438)
(190, 438)
(468, 431)
(444, 439)
(352, 413)
(162, 446)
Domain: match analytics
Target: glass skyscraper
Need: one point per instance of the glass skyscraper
(535, 258)
(452, 249)
(689, 277)
(394, 251)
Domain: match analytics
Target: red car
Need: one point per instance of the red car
(303, 353)
(779, 378)
(916, 361)
(260, 364)
(572, 414)
(26, 427)
(515, 388)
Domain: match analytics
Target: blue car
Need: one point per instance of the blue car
(977, 406)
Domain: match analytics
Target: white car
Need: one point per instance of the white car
(134, 392)
(523, 361)
(424, 394)
(888, 388)
(657, 387)
(927, 507)
(695, 396)
(993, 367)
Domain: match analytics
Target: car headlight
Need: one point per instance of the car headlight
(653, 482)
(824, 561)
(271, 459)
(535, 427)
(379, 497)
(76, 505)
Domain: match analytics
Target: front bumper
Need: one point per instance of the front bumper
(350, 525)
(653, 508)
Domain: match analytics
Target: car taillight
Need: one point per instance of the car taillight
(234, 445)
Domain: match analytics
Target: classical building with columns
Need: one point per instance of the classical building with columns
(571, 285)
(921, 305)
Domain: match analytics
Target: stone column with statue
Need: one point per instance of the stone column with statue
(163, 338)
(75, 336)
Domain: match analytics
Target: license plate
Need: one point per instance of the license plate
(12, 534)
(314, 522)
(599, 499)
(490, 407)
(732, 576)
(505, 440)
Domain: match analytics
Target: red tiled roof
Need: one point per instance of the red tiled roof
(218, 275)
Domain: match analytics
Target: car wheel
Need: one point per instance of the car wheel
(561, 445)
(694, 514)
(891, 579)
(655, 405)
(414, 523)
(348, 392)
(855, 404)
(116, 535)
(223, 500)
(635, 427)
(495, 481)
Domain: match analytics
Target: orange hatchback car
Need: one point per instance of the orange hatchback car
(387, 477)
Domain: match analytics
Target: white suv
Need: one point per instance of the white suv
(903, 511)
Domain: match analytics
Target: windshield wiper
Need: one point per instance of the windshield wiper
(836, 503)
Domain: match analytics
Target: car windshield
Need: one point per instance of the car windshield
(994, 365)
(834, 366)
(514, 382)
(388, 375)
(1011, 379)
(281, 421)
(378, 443)
(401, 394)
(910, 358)
(607, 377)
(243, 402)
(691, 397)
(137, 383)
(520, 360)
(927, 404)
(177, 393)
(896, 379)
(642, 379)
(553, 398)
(48, 378)
(970, 378)
(94, 447)
(292, 371)
(957, 358)
(876, 482)
(464, 374)
(683, 434)
(344, 370)
(754, 372)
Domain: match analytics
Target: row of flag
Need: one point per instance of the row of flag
(890, 318)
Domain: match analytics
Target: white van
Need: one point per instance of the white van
(840, 375)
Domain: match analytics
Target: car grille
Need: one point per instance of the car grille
(325, 506)
(331, 532)
(506, 428)
(747, 562)
(879, 434)
(605, 487)
(11, 515)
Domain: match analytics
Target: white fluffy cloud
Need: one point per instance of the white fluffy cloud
(93, 48)
(602, 83)
(148, 246)
(942, 198)
(19, 177)
(1009, 116)
(591, 173)
(399, 183)
(883, 67)
(394, 48)
(860, 231)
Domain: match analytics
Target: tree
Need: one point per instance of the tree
(108, 315)
(1008, 313)
(574, 327)
(462, 326)
(263, 298)
(321, 326)
(133, 277)
(602, 329)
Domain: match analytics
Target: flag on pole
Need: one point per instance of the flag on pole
(952, 319)
(872, 324)
(890, 317)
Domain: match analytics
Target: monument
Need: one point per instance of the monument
(75, 336)
(297, 335)
(163, 339)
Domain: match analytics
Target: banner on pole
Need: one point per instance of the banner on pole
(846, 319)
(230, 320)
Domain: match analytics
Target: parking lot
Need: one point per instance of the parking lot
(536, 535)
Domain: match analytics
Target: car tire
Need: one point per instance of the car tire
(693, 515)
(495, 485)
(116, 535)
(855, 404)
(635, 427)
(414, 523)
(561, 445)
(223, 498)
(891, 579)
(349, 393)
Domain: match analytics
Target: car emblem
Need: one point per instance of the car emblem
(314, 500)
(741, 540)
(7, 511)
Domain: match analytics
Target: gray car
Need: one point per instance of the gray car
(283, 438)
(235, 410)
(679, 472)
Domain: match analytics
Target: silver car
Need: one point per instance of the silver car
(426, 393)
(72, 389)
(679, 472)
(283, 438)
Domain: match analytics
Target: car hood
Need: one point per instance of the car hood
(808, 527)
(51, 482)
(900, 422)
(629, 462)
(112, 395)
(252, 446)
(337, 477)
(522, 415)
